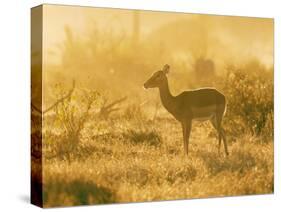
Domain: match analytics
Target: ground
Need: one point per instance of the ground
(136, 160)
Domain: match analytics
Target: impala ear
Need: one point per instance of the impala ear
(166, 69)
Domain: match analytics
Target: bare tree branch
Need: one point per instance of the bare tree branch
(56, 103)
(107, 109)
(115, 102)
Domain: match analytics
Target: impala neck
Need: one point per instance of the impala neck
(167, 98)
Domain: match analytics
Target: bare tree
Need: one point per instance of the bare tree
(68, 95)
(107, 109)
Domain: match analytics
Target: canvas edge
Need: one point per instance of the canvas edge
(36, 178)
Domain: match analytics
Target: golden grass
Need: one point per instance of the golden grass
(135, 161)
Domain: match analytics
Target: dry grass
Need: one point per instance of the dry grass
(129, 162)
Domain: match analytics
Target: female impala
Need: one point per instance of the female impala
(200, 104)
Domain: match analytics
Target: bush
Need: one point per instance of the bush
(134, 112)
(149, 137)
(71, 115)
(249, 99)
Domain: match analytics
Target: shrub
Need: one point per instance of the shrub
(145, 136)
(70, 118)
(249, 99)
(134, 112)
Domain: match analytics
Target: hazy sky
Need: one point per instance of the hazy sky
(251, 36)
(80, 18)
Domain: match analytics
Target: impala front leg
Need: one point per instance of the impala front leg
(183, 132)
(186, 134)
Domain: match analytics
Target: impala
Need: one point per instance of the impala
(200, 104)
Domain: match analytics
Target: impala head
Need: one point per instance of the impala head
(158, 78)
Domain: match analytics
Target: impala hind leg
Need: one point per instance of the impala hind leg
(224, 142)
(216, 122)
(222, 134)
